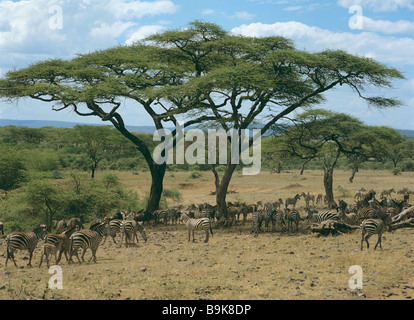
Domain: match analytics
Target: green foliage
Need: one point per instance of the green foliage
(42, 201)
(195, 175)
(12, 170)
(173, 194)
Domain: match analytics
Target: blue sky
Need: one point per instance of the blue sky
(34, 30)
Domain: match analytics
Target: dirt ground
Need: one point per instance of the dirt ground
(233, 265)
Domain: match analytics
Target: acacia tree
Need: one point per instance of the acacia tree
(94, 85)
(239, 80)
(199, 74)
(96, 141)
(389, 144)
(324, 136)
(373, 142)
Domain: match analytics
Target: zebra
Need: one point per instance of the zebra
(49, 249)
(62, 225)
(279, 218)
(292, 201)
(366, 213)
(112, 229)
(19, 240)
(73, 222)
(257, 219)
(130, 229)
(60, 241)
(370, 227)
(87, 239)
(308, 198)
(387, 192)
(322, 216)
(196, 224)
(174, 215)
(292, 217)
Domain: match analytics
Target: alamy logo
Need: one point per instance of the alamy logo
(195, 153)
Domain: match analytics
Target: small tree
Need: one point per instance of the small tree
(12, 171)
(96, 144)
(44, 198)
(321, 135)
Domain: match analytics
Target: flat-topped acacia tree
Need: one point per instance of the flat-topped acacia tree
(200, 73)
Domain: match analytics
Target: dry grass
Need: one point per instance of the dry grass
(234, 264)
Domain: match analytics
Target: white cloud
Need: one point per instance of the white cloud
(293, 8)
(208, 11)
(379, 5)
(125, 9)
(112, 31)
(386, 49)
(26, 35)
(244, 15)
(144, 32)
(388, 27)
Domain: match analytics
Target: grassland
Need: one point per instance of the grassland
(234, 264)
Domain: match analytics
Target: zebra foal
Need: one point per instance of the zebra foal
(49, 249)
(19, 240)
(60, 241)
(196, 224)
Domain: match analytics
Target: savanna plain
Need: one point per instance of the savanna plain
(234, 264)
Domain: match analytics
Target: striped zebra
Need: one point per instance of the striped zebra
(19, 240)
(113, 228)
(366, 213)
(60, 241)
(257, 219)
(371, 227)
(87, 239)
(50, 249)
(130, 229)
(292, 217)
(196, 224)
(319, 217)
(279, 218)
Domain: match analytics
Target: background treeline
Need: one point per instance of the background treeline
(45, 173)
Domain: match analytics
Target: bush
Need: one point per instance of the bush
(407, 165)
(173, 194)
(343, 192)
(195, 175)
(396, 171)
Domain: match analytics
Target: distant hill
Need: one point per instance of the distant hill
(138, 129)
(64, 124)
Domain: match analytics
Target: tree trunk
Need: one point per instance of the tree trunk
(328, 184)
(93, 168)
(354, 171)
(222, 193)
(303, 166)
(157, 175)
(157, 170)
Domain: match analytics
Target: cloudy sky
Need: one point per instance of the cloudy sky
(34, 30)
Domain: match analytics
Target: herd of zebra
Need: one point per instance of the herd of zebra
(74, 238)
(371, 214)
